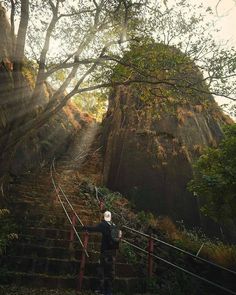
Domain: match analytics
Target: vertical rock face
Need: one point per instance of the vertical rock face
(150, 148)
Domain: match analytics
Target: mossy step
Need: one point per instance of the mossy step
(79, 204)
(56, 266)
(27, 190)
(50, 220)
(72, 252)
(37, 206)
(124, 285)
(60, 243)
(55, 233)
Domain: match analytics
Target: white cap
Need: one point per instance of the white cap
(107, 216)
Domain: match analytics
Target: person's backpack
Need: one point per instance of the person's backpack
(115, 235)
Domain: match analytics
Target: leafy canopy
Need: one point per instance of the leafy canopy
(165, 72)
(215, 178)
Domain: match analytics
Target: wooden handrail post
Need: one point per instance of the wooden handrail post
(82, 262)
(150, 257)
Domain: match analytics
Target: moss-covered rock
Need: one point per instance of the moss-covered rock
(154, 132)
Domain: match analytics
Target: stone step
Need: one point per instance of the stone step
(55, 233)
(51, 204)
(56, 266)
(124, 285)
(72, 252)
(58, 243)
(52, 219)
(46, 202)
(33, 192)
(39, 208)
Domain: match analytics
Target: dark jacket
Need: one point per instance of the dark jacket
(103, 228)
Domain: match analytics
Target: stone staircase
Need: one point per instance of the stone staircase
(44, 256)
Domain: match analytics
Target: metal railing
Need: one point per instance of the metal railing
(151, 255)
(151, 240)
(181, 250)
(73, 221)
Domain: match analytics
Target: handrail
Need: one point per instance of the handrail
(176, 248)
(181, 250)
(69, 203)
(65, 211)
(180, 268)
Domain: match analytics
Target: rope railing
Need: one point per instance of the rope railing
(180, 268)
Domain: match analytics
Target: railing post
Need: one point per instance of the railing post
(72, 233)
(150, 257)
(101, 205)
(82, 262)
(55, 199)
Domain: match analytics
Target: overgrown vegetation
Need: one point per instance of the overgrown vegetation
(95, 104)
(174, 71)
(214, 179)
(7, 230)
(189, 240)
(16, 290)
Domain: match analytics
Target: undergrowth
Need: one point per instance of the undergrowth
(189, 240)
(7, 230)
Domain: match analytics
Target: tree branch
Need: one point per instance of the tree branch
(42, 61)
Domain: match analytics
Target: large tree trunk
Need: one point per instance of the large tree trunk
(21, 36)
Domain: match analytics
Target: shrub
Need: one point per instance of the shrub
(7, 229)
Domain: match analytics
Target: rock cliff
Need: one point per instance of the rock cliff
(151, 141)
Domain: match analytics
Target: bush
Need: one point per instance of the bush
(7, 230)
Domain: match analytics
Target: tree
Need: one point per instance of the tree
(215, 178)
(87, 39)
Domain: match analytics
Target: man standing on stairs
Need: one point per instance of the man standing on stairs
(106, 272)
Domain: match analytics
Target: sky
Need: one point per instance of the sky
(225, 14)
(226, 18)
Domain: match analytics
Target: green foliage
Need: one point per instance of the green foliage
(109, 197)
(215, 178)
(29, 71)
(95, 104)
(129, 253)
(164, 72)
(7, 229)
(145, 218)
